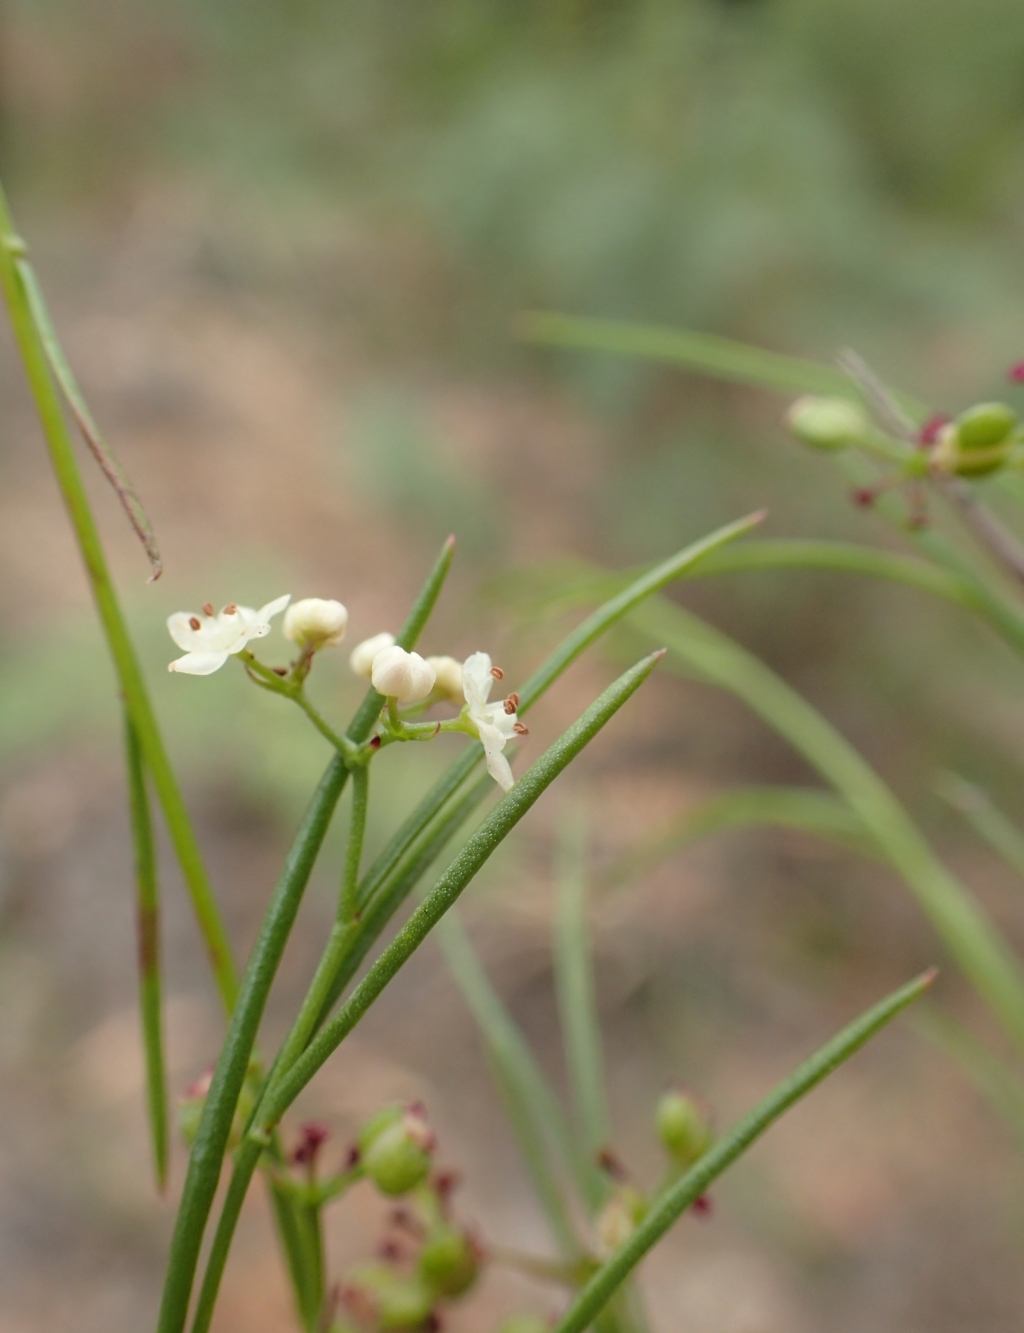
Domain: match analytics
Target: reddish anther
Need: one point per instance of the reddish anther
(864, 496)
(195, 622)
(1016, 373)
(207, 608)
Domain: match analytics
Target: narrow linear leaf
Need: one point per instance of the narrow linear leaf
(970, 936)
(533, 1110)
(101, 451)
(985, 817)
(575, 988)
(706, 353)
(147, 909)
(670, 1205)
(803, 808)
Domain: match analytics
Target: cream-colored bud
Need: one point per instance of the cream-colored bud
(401, 675)
(315, 623)
(361, 659)
(449, 677)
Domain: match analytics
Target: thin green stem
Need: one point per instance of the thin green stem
(148, 925)
(674, 1201)
(348, 905)
(126, 665)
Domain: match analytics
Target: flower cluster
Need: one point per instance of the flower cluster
(400, 675)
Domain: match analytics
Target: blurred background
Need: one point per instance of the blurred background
(285, 245)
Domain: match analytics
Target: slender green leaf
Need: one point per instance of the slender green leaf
(967, 932)
(533, 1110)
(574, 984)
(985, 817)
(147, 909)
(670, 1205)
(803, 808)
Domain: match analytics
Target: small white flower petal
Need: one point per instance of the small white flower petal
(182, 631)
(362, 655)
(199, 664)
(497, 764)
(268, 612)
(477, 679)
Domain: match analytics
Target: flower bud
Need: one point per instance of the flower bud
(362, 655)
(379, 1298)
(401, 675)
(314, 623)
(985, 426)
(950, 455)
(395, 1149)
(827, 423)
(449, 1262)
(684, 1127)
(620, 1217)
(448, 677)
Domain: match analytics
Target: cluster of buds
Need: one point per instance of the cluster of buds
(984, 439)
(426, 1260)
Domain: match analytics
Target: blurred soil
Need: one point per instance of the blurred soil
(889, 1203)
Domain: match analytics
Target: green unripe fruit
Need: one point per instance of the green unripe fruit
(684, 1127)
(383, 1299)
(985, 426)
(395, 1149)
(449, 1262)
(827, 423)
(949, 454)
(525, 1323)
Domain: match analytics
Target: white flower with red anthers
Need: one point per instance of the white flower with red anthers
(495, 724)
(209, 638)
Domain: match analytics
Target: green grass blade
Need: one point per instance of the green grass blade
(574, 985)
(147, 908)
(705, 353)
(985, 817)
(803, 808)
(623, 602)
(532, 1108)
(968, 934)
(670, 1205)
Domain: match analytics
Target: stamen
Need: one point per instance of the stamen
(512, 703)
(195, 622)
(230, 609)
(497, 673)
(521, 729)
(207, 608)
(279, 671)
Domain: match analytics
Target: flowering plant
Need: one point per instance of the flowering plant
(234, 1118)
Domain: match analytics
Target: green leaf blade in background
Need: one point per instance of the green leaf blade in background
(670, 1205)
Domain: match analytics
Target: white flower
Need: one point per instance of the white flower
(209, 640)
(496, 723)
(314, 623)
(449, 677)
(361, 659)
(401, 675)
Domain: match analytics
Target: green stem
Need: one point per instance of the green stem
(126, 665)
(348, 905)
(670, 1206)
(148, 925)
